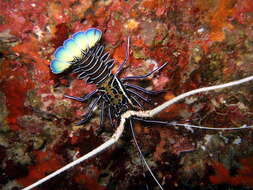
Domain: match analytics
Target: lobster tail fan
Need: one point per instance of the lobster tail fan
(73, 48)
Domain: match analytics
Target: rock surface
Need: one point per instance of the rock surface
(205, 43)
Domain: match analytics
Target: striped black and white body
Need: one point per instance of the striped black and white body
(84, 55)
(94, 66)
(112, 94)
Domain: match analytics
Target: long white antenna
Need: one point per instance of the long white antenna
(145, 114)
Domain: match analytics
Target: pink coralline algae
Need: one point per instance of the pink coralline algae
(204, 43)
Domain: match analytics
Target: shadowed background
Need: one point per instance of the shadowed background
(205, 42)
